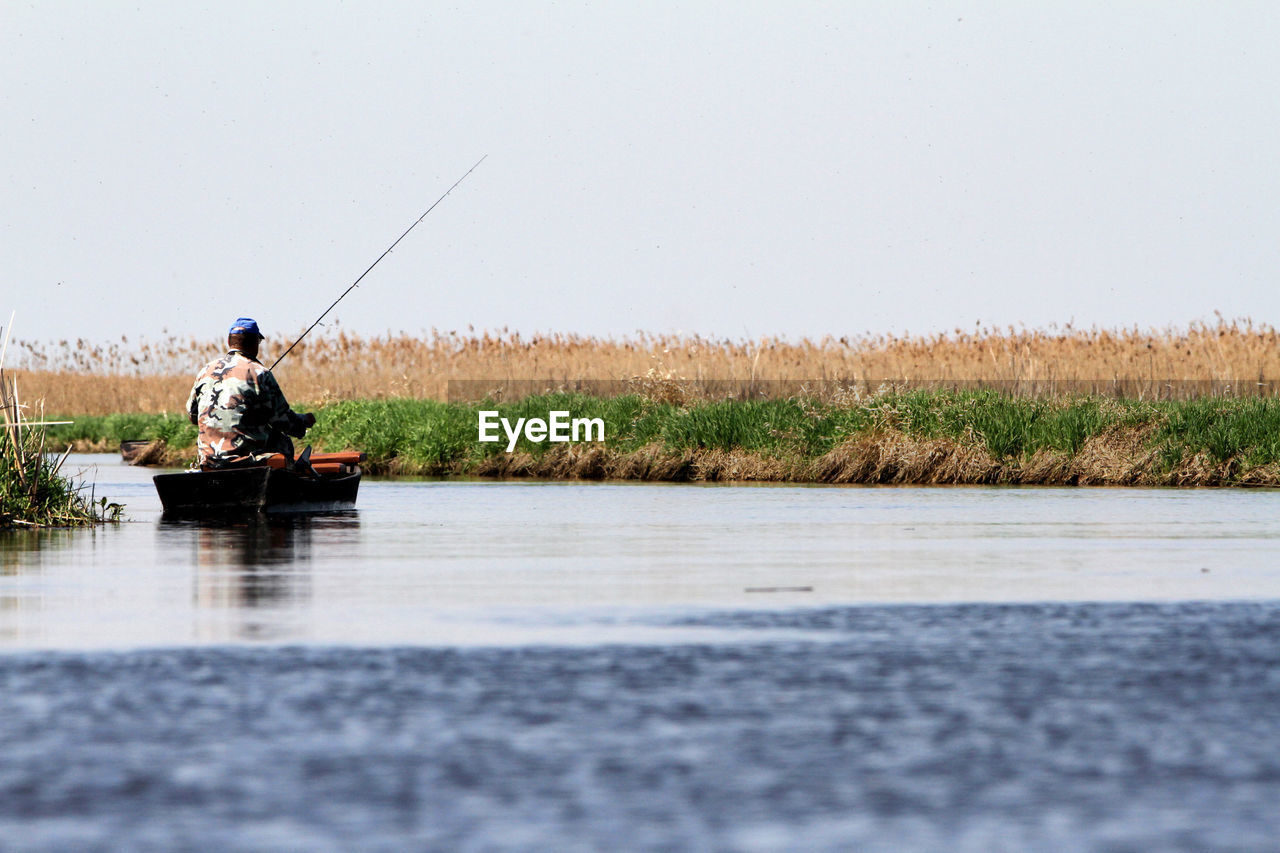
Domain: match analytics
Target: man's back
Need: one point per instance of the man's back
(239, 410)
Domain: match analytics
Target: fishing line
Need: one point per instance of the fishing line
(375, 263)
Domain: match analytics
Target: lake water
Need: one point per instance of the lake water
(513, 666)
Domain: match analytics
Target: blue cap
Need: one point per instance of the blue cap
(245, 326)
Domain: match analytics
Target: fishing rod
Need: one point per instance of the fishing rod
(375, 263)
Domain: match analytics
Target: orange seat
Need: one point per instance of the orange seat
(323, 463)
(347, 457)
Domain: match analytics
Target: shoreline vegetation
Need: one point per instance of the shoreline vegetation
(891, 436)
(1193, 406)
(33, 491)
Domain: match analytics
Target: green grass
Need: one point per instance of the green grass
(112, 429)
(1244, 430)
(426, 436)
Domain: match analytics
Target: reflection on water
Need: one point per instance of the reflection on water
(20, 573)
(252, 562)
(152, 581)
(249, 564)
(464, 563)
(24, 540)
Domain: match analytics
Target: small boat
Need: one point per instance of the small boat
(321, 482)
(141, 451)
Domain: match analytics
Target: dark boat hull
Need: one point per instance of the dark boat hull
(255, 490)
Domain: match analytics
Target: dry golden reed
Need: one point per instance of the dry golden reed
(85, 378)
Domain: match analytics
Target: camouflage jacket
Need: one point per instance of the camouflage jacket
(239, 410)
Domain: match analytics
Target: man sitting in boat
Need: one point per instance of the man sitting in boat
(240, 411)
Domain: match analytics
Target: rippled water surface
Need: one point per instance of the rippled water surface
(476, 666)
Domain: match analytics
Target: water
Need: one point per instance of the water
(485, 666)
(482, 562)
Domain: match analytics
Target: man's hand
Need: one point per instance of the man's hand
(308, 420)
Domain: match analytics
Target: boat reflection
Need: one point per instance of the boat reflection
(258, 563)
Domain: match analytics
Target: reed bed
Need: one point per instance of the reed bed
(33, 492)
(1230, 358)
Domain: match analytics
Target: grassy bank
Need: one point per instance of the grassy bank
(915, 437)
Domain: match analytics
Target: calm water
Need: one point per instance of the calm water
(483, 666)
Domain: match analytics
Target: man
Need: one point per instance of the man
(239, 409)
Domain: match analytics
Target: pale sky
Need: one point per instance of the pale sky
(732, 169)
